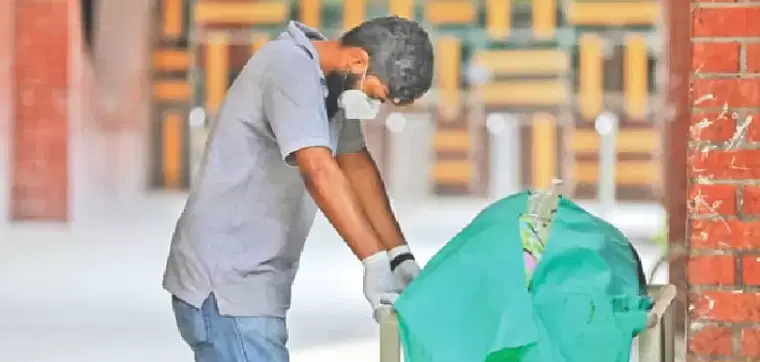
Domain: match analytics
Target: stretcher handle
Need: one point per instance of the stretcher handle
(390, 344)
(656, 342)
(664, 300)
(543, 205)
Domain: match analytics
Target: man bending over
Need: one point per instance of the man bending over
(286, 141)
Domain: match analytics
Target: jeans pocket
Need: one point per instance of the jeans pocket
(191, 323)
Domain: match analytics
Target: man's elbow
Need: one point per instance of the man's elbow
(317, 167)
(317, 178)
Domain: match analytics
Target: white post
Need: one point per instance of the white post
(197, 120)
(408, 156)
(504, 154)
(607, 127)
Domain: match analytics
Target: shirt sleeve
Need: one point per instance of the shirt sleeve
(294, 104)
(351, 138)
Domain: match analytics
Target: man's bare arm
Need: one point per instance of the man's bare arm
(362, 173)
(332, 192)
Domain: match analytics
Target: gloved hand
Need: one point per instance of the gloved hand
(379, 285)
(403, 266)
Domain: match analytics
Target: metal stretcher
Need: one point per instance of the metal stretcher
(655, 344)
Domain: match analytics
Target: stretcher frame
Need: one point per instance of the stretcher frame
(654, 344)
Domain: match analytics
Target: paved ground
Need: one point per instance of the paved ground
(91, 292)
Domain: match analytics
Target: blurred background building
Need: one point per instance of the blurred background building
(519, 88)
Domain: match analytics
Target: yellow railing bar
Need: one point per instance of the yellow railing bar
(590, 96)
(636, 74)
(217, 70)
(544, 149)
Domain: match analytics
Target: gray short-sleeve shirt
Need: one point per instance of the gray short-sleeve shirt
(243, 228)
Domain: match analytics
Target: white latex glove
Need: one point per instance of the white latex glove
(405, 268)
(379, 285)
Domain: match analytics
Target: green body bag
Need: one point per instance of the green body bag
(471, 303)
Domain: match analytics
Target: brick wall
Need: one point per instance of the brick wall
(40, 109)
(724, 187)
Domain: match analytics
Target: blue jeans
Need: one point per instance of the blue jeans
(217, 338)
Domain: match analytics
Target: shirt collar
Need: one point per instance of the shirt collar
(303, 36)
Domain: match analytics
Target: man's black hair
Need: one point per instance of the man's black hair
(400, 54)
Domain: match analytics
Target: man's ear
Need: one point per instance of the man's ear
(355, 59)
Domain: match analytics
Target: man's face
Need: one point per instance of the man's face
(337, 82)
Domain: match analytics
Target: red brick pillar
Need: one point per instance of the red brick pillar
(40, 117)
(724, 186)
(6, 71)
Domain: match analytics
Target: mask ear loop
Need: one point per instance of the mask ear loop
(361, 80)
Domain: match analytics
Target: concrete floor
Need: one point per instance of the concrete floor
(91, 292)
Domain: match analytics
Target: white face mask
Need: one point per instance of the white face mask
(356, 105)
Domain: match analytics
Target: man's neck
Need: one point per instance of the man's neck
(330, 55)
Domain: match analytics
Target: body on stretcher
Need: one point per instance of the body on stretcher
(655, 343)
